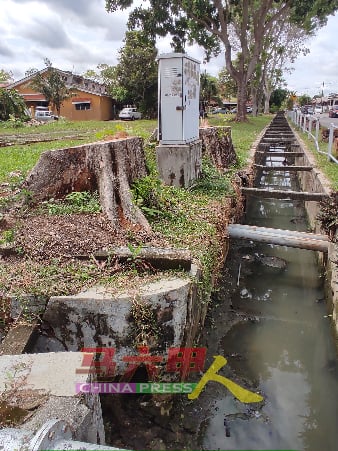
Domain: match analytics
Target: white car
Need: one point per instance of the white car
(129, 113)
(318, 109)
(44, 116)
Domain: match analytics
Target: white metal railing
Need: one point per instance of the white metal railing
(309, 124)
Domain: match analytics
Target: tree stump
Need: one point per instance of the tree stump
(109, 167)
(217, 143)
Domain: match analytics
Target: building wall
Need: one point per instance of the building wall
(101, 107)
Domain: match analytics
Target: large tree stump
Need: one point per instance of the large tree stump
(217, 143)
(109, 167)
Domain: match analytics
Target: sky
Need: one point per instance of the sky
(77, 35)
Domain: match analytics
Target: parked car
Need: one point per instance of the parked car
(221, 111)
(129, 113)
(249, 109)
(333, 111)
(318, 109)
(44, 116)
(307, 109)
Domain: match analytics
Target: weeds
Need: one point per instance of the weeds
(152, 197)
(328, 216)
(7, 237)
(144, 321)
(212, 181)
(75, 202)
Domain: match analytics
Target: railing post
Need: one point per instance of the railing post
(329, 146)
(317, 130)
(304, 125)
(310, 127)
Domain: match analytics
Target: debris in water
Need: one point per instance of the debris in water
(227, 428)
(271, 261)
(245, 294)
(239, 273)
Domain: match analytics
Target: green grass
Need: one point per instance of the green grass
(91, 127)
(23, 157)
(329, 168)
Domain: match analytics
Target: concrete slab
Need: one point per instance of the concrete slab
(53, 373)
(18, 339)
(97, 318)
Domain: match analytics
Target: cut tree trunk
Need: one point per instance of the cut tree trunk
(217, 144)
(109, 167)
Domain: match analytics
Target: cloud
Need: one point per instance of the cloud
(47, 33)
(79, 34)
(5, 51)
(79, 8)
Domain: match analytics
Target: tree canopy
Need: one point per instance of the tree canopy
(136, 72)
(209, 89)
(5, 76)
(12, 104)
(235, 27)
(52, 86)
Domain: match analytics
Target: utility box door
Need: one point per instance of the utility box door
(178, 99)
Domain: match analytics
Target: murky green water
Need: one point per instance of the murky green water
(286, 350)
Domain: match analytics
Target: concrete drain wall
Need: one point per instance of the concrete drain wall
(314, 181)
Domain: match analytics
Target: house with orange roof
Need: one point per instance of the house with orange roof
(89, 101)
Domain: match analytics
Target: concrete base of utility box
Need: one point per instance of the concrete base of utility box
(179, 165)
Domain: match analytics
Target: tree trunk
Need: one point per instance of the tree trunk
(109, 167)
(241, 99)
(254, 98)
(217, 144)
(267, 94)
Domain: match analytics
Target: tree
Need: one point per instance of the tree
(227, 85)
(135, 76)
(110, 167)
(11, 104)
(52, 86)
(31, 71)
(277, 98)
(287, 44)
(208, 89)
(304, 99)
(6, 76)
(91, 74)
(237, 27)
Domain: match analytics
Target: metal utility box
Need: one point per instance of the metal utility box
(178, 112)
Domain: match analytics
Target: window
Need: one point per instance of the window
(82, 106)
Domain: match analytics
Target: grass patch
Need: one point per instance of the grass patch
(59, 278)
(21, 158)
(329, 168)
(75, 202)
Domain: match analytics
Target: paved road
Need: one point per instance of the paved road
(326, 121)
